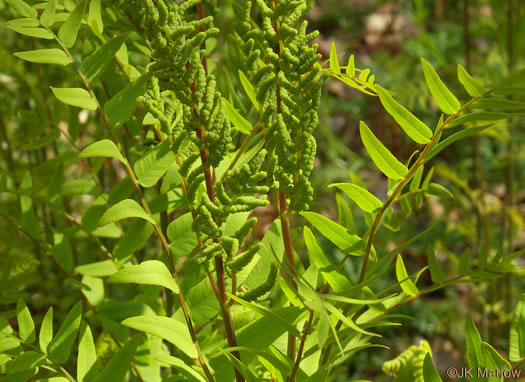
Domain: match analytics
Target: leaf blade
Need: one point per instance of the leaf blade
(87, 356)
(446, 101)
(383, 159)
(124, 209)
(517, 332)
(75, 97)
(166, 328)
(473, 87)
(59, 348)
(364, 199)
(22, 8)
(95, 65)
(151, 166)
(411, 125)
(236, 118)
(334, 61)
(122, 105)
(45, 56)
(336, 233)
(26, 326)
(149, 272)
(405, 282)
(46, 331)
(119, 365)
(102, 148)
(337, 281)
(69, 30)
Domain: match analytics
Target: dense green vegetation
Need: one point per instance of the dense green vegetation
(272, 190)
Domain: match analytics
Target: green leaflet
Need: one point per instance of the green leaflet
(439, 190)
(266, 313)
(62, 252)
(202, 302)
(134, 239)
(69, 30)
(23, 22)
(350, 68)
(119, 365)
(98, 269)
(411, 125)
(493, 360)
(337, 234)
(517, 332)
(416, 180)
(347, 321)
(364, 199)
(481, 116)
(59, 348)
(181, 235)
(22, 8)
(93, 289)
(355, 301)
(40, 142)
(121, 106)
(102, 148)
(46, 331)
(344, 214)
(29, 221)
(473, 339)
(498, 104)
(127, 208)
(188, 372)
(94, 18)
(45, 56)
(436, 273)
(464, 262)
(87, 356)
(172, 178)
(236, 118)
(383, 159)
(248, 88)
(8, 343)
(405, 282)
(24, 362)
(75, 97)
(48, 16)
(32, 32)
(151, 166)
(26, 326)
(95, 65)
(473, 87)
(334, 61)
(167, 328)
(454, 138)
(337, 281)
(149, 272)
(430, 373)
(446, 101)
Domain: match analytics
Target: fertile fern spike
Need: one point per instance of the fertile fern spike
(288, 86)
(185, 100)
(409, 364)
(261, 290)
(247, 36)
